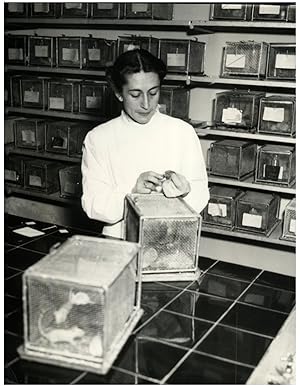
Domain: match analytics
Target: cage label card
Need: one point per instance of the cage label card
(250, 220)
(285, 61)
(131, 46)
(73, 5)
(217, 209)
(28, 231)
(28, 136)
(41, 51)
(273, 114)
(139, 7)
(235, 61)
(231, 115)
(71, 55)
(16, 7)
(15, 54)
(266, 9)
(231, 6)
(10, 175)
(94, 54)
(93, 101)
(175, 59)
(31, 96)
(41, 7)
(105, 5)
(35, 180)
(293, 226)
(57, 103)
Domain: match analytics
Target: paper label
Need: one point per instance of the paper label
(131, 46)
(269, 9)
(215, 209)
(28, 136)
(41, 7)
(57, 103)
(280, 174)
(41, 51)
(139, 7)
(231, 6)
(231, 115)
(175, 59)
(10, 175)
(31, 223)
(292, 227)
(31, 96)
(63, 231)
(15, 54)
(35, 181)
(94, 54)
(163, 108)
(73, 5)
(273, 114)
(235, 61)
(285, 61)
(16, 7)
(71, 55)
(252, 220)
(105, 5)
(28, 231)
(93, 101)
(70, 187)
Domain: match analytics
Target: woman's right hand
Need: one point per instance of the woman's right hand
(148, 182)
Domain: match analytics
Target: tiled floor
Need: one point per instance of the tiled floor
(213, 331)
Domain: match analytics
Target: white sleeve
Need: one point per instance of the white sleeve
(101, 199)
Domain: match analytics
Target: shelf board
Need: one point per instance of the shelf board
(250, 184)
(57, 70)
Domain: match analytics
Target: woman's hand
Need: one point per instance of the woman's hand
(175, 185)
(148, 182)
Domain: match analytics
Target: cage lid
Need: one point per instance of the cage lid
(224, 191)
(86, 260)
(257, 197)
(278, 149)
(232, 143)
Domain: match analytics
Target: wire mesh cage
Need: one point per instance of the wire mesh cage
(232, 11)
(277, 115)
(276, 164)
(70, 181)
(63, 95)
(169, 233)
(175, 101)
(237, 110)
(257, 212)
(163, 11)
(282, 61)
(47, 10)
(244, 59)
(183, 55)
(42, 175)
(30, 133)
(42, 51)
(92, 97)
(16, 10)
(107, 10)
(221, 208)
(74, 10)
(98, 53)
(34, 92)
(14, 169)
(270, 12)
(16, 49)
(232, 158)
(81, 302)
(69, 52)
(289, 221)
(148, 43)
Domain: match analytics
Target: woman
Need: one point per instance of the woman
(131, 152)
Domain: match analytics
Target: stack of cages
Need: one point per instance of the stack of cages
(183, 55)
(282, 62)
(276, 164)
(74, 10)
(221, 208)
(270, 12)
(70, 181)
(175, 101)
(244, 59)
(16, 49)
(42, 51)
(63, 95)
(14, 170)
(98, 53)
(289, 222)
(230, 11)
(80, 303)
(277, 115)
(69, 51)
(30, 133)
(232, 158)
(16, 10)
(168, 231)
(237, 110)
(107, 10)
(47, 10)
(257, 212)
(92, 98)
(162, 11)
(149, 43)
(42, 175)
(34, 92)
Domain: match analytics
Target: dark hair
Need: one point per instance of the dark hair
(134, 61)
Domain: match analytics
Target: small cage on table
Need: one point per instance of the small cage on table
(81, 303)
(282, 61)
(289, 221)
(169, 233)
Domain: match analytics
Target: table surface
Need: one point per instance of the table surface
(211, 331)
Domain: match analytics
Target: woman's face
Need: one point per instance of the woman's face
(140, 96)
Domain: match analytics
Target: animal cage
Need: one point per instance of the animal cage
(282, 61)
(148, 43)
(74, 10)
(42, 51)
(63, 95)
(92, 97)
(270, 12)
(16, 49)
(14, 169)
(70, 181)
(232, 11)
(42, 175)
(81, 303)
(30, 133)
(289, 221)
(163, 11)
(47, 10)
(174, 101)
(98, 53)
(34, 92)
(168, 231)
(69, 52)
(107, 10)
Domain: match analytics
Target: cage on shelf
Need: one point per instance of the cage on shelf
(30, 133)
(232, 158)
(221, 208)
(14, 98)
(162, 11)
(92, 97)
(174, 101)
(14, 169)
(183, 55)
(16, 10)
(289, 221)
(63, 95)
(257, 212)
(69, 52)
(282, 61)
(42, 51)
(70, 181)
(277, 115)
(98, 53)
(107, 10)
(149, 43)
(16, 49)
(224, 11)
(169, 233)
(270, 12)
(34, 92)
(276, 164)
(237, 110)
(47, 10)
(244, 59)
(85, 291)
(74, 10)
(291, 16)
(42, 175)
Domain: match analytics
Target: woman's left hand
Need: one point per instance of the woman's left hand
(175, 185)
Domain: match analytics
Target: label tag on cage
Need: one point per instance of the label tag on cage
(57, 103)
(292, 227)
(71, 55)
(73, 5)
(250, 220)
(94, 54)
(273, 114)
(92, 101)
(163, 108)
(139, 7)
(41, 51)
(16, 7)
(15, 54)
(231, 115)
(175, 59)
(235, 61)
(131, 46)
(105, 5)
(285, 61)
(41, 7)
(231, 6)
(31, 96)
(70, 187)
(35, 180)
(28, 136)
(269, 9)
(10, 175)
(215, 209)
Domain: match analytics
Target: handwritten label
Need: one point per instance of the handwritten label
(215, 209)
(93, 102)
(139, 7)
(265, 9)
(57, 103)
(35, 180)
(105, 5)
(71, 55)
(231, 115)
(10, 175)
(73, 5)
(94, 54)
(31, 96)
(41, 51)
(285, 61)
(28, 136)
(273, 114)
(292, 227)
(41, 7)
(231, 6)
(175, 59)
(252, 220)
(15, 54)
(235, 61)
(131, 46)
(16, 7)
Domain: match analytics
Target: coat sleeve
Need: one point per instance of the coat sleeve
(101, 199)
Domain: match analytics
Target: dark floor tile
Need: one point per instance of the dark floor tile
(235, 345)
(267, 297)
(9, 273)
(275, 280)
(254, 319)
(179, 284)
(198, 369)
(8, 247)
(184, 304)
(11, 304)
(13, 221)
(112, 377)
(67, 232)
(44, 243)
(243, 273)
(21, 259)
(13, 286)
(11, 343)
(14, 323)
(204, 263)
